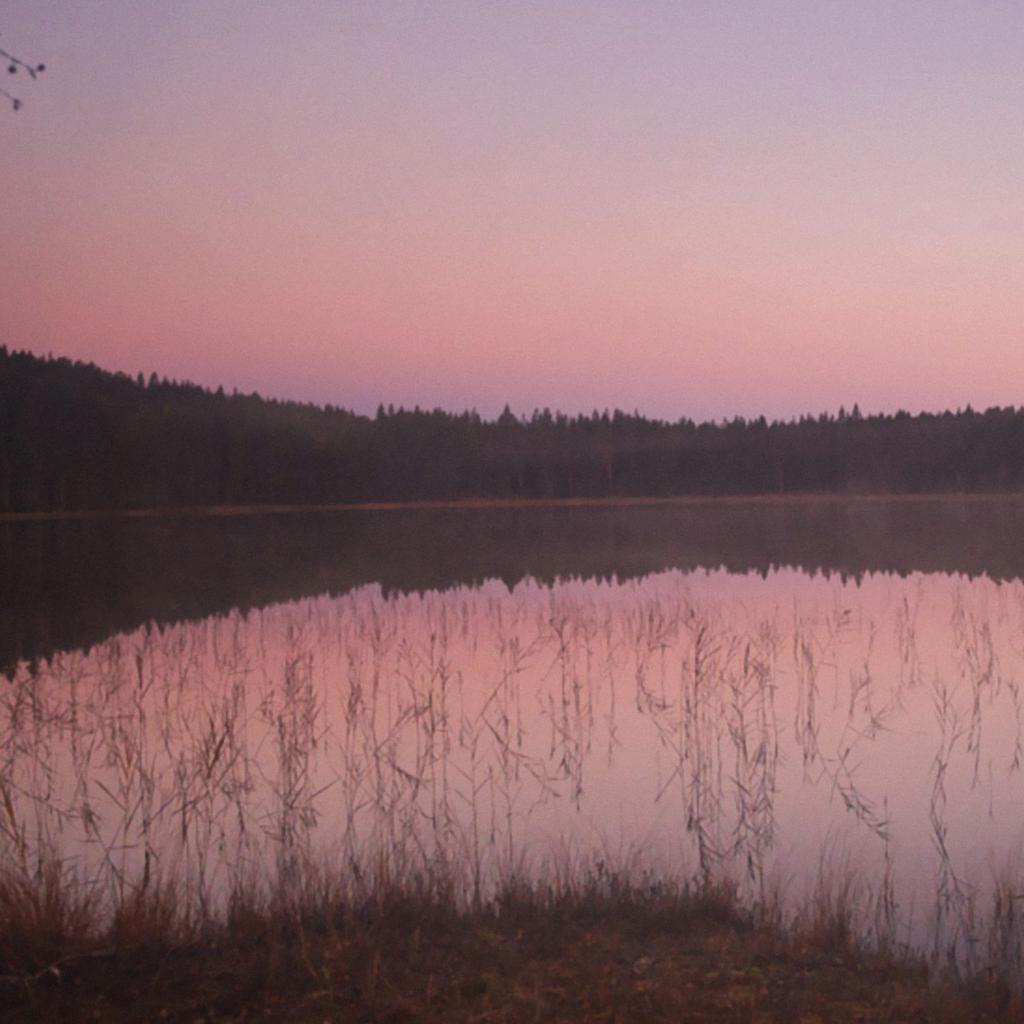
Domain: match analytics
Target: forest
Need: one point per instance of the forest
(74, 437)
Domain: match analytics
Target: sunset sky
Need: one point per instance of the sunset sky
(700, 209)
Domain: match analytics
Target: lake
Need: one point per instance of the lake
(807, 699)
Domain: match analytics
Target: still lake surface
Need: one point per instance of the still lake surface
(789, 695)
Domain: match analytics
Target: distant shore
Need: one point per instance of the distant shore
(473, 504)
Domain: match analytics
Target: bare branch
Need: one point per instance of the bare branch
(15, 65)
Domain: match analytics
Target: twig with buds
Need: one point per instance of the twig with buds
(14, 66)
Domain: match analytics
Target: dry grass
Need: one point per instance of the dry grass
(43, 917)
(604, 950)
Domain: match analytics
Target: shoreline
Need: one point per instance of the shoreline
(597, 952)
(494, 504)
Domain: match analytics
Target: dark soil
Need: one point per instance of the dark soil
(406, 965)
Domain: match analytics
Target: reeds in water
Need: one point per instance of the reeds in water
(705, 731)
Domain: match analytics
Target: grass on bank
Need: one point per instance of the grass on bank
(601, 949)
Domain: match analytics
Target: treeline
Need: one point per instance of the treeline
(73, 437)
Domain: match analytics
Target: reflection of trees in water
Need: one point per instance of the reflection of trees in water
(452, 740)
(71, 584)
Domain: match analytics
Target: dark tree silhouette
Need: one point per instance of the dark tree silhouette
(75, 437)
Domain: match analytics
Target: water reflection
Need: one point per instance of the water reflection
(70, 584)
(709, 724)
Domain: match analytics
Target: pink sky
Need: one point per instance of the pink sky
(695, 209)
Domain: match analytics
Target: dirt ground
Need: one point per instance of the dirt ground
(404, 967)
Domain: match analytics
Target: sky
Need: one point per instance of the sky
(702, 209)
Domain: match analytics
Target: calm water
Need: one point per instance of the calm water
(785, 696)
